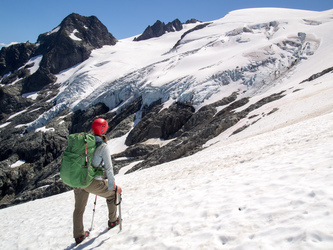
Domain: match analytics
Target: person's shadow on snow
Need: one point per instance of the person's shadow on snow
(88, 241)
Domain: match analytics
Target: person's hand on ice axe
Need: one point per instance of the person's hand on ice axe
(117, 189)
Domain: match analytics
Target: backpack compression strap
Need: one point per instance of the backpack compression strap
(86, 156)
(85, 149)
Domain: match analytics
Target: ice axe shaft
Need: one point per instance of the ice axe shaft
(92, 220)
(118, 203)
(120, 219)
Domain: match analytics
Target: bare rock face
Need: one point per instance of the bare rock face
(159, 28)
(202, 126)
(15, 56)
(72, 42)
(160, 123)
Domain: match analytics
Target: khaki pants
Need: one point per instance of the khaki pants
(100, 188)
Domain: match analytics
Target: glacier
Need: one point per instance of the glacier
(243, 52)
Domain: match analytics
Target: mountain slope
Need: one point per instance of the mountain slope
(168, 97)
(268, 190)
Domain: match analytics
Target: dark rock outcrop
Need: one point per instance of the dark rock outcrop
(159, 28)
(198, 27)
(192, 20)
(11, 100)
(121, 123)
(38, 80)
(204, 125)
(160, 123)
(317, 75)
(72, 42)
(15, 56)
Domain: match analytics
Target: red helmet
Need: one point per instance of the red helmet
(100, 126)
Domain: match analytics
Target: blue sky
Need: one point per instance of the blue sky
(22, 21)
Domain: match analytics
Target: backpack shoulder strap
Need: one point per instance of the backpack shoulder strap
(99, 143)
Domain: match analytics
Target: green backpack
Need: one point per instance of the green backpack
(76, 169)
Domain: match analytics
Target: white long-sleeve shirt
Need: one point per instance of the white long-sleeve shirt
(103, 152)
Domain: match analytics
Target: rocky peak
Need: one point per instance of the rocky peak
(66, 45)
(77, 30)
(192, 20)
(74, 38)
(159, 28)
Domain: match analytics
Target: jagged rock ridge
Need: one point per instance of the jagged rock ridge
(159, 28)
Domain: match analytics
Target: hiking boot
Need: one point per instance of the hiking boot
(113, 224)
(81, 238)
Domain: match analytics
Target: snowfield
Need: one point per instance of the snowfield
(266, 187)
